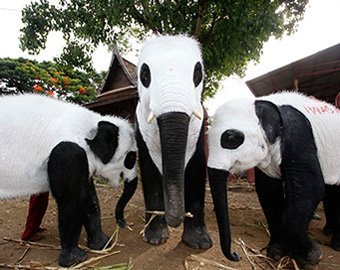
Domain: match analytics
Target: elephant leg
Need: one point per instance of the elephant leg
(70, 224)
(129, 190)
(332, 212)
(304, 185)
(300, 205)
(271, 196)
(195, 233)
(157, 231)
(328, 210)
(69, 183)
(96, 239)
(304, 189)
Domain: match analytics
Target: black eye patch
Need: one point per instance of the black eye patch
(145, 75)
(198, 74)
(232, 138)
(130, 160)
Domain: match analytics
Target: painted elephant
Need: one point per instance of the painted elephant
(170, 138)
(293, 141)
(52, 145)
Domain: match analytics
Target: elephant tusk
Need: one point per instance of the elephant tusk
(150, 117)
(197, 114)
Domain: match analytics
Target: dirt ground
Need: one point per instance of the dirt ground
(248, 227)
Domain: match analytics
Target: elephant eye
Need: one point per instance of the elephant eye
(232, 138)
(130, 160)
(145, 75)
(198, 74)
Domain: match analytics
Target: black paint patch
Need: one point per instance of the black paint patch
(70, 185)
(232, 139)
(331, 204)
(130, 160)
(195, 180)
(270, 119)
(152, 184)
(145, 75)
(195, 233)
(68, 171)
(129, 190)
(304, 183)
(198, 74)
(271, 197)
(75, 194)
(105, 143)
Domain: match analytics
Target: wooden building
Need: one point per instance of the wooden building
(317, 75)
(118, 94)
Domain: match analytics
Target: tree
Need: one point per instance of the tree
(28, 76)
(232, 32)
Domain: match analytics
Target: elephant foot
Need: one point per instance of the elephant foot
(276, 251)
(196, 237)
(312, 259)
(156, 232)
(98, 242)
(68, 258)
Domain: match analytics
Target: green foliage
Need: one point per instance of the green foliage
(232, 32)
(28, 76)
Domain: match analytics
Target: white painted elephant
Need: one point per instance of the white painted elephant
(170, 138)
(51, 145)
(294, 143)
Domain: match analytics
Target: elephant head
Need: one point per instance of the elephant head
(169, 113)
(243, 135)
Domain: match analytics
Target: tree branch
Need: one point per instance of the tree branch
(201, 5)
(216, 21)
(141, 19)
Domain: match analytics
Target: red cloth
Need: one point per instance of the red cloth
(251, 176)
(36, 211)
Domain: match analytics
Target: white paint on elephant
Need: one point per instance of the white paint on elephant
(237, 114)
(271, 163)
(32, 125)
(256, 150)
(325, 121)
(171, 60)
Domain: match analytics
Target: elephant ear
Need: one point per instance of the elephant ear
(105, 143)
(270, 119)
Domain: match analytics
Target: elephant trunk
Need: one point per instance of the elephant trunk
(218, 187)
(129, 190)
(173, 128)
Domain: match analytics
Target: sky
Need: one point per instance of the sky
(317, 31)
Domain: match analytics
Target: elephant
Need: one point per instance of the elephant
(293, 142)
(52, 145)
(170, 138)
